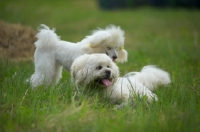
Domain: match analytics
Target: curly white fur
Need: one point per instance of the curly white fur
(85, 70)
(52, 54)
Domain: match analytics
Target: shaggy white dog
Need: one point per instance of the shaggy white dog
(52, 53)
(99, 69)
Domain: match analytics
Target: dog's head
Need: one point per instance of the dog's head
(94, 68)
(109, 41)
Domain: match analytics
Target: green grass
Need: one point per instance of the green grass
(168, 38)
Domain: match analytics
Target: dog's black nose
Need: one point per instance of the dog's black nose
(108, 72)
(114, 57)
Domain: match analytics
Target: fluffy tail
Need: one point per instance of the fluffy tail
(46, 37)
(151, 77)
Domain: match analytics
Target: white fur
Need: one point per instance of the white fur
(84, 71)
(52, 54)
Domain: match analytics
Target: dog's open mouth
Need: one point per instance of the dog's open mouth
(105, 81)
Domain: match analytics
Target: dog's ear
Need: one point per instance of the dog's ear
(98, 39)
(79, 71)
(78, 75)
(96, 42)
(122, 55)
(90, 50)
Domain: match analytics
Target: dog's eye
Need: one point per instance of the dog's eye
(109, 48)
(99, 67)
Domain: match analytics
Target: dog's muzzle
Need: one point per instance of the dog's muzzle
(113, 57)
(106, 80)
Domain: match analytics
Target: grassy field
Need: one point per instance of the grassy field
(168, 38)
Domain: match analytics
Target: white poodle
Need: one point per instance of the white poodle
(99, 69)
(52, 53)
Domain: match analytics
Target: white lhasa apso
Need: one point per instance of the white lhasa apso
(52, 54)
(100, 70)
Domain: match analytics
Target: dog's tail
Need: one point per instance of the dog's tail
(46, 37)
(151, 77)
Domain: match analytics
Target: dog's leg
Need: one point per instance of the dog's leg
(37, 79)
(44, 72)
(58, 74)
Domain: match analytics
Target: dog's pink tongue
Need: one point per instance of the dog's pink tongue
(106, 82)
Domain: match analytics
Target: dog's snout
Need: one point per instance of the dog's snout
(114, 57)
(108, 72)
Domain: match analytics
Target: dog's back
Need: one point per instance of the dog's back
(151, 77)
